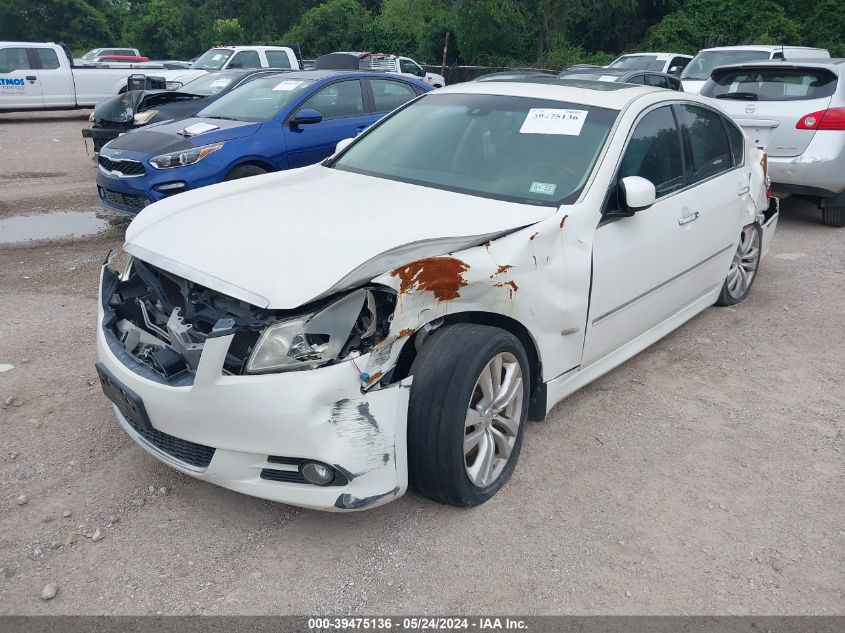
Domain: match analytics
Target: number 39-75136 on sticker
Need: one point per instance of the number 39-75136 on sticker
(553, 121)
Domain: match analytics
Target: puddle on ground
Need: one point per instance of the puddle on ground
(19, 229)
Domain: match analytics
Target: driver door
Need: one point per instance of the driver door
(646, 267)
(344, 116)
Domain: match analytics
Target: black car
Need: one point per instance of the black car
(642, 77)
(137, 108)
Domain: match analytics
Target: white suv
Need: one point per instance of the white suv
(796, 113)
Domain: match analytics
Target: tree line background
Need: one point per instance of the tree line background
(550, 33)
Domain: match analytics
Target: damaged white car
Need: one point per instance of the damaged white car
(328, 336)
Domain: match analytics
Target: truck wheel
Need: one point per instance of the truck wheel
(833, 216)
(467, 412)
(744, 266)
(245, 171)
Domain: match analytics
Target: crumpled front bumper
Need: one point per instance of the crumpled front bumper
(320, 414)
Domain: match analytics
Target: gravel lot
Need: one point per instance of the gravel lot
(704, 476)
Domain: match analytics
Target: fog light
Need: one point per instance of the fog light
(317, 473)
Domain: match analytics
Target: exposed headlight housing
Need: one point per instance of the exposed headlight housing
(185, 157)
(142, 118)
(355, 322)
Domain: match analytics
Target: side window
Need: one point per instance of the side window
(680, 63)
(407, 66)
(13, 59)
(709, 146)
(636, 79)
(655, 152)
(245, 59)
(389, 95)
(337, 100)
(737, 139)
(277, 59)
(47, 57)
(656, 80)
(125, 51)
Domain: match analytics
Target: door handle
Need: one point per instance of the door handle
(743, 190)
(31, 77)
(689, 218)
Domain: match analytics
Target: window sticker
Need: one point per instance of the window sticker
(607, 78)
(288, 84)
(219, 83)
(553, 121)
(546, 188)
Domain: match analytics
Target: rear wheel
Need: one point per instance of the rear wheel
(744, 266)
(245, 171)
(833, 216)
(467, 412)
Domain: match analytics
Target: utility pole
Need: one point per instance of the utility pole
(445, 50)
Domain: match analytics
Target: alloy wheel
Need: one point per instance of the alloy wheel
(493, 419)
(745, 262)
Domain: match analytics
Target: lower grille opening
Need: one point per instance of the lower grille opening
(191, 453)
(124, 200)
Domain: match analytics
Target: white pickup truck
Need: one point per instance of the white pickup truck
(403, 66)
(40, 76)
(226, 57)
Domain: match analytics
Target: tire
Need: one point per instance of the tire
(245, 171)
(744, 267)
(833, 216)
(447, 373)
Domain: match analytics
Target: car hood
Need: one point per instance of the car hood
(159, 138)
(282, 240)
(183, 75)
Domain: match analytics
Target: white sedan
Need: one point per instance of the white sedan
(330, 335)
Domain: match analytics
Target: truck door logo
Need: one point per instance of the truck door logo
(8, 84)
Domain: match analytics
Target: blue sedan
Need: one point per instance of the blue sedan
(269, 124)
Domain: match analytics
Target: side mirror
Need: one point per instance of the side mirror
(342, 145)
(636, 194)
(306, 117)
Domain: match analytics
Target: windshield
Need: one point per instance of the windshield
(213, 59)
(771, 84)
(210, 84)
(257, 100)
(91, 54)
(640, 62)
(509, 148)
(703, 64)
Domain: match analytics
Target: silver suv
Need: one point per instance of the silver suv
(795, 111)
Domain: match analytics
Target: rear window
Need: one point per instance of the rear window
(771, 84)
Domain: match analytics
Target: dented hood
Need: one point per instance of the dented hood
(284, 239)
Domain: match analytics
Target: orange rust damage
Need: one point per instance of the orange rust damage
(534, 235)
(511, 286)
(441, 276)
(503, 269)
(405, 332)
(563, 221)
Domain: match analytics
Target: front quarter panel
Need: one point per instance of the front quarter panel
(537, 276)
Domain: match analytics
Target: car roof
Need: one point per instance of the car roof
(822, 62)
(758, 47)
(601, 70)
(592, 93)
(669, 54)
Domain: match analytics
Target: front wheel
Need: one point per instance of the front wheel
(744, 266)
(467, 412)
(245, 171)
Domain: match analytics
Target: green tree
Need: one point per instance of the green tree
(228, 32)
(169, 28)
(331, 26)
(493, 31)
(81, 25)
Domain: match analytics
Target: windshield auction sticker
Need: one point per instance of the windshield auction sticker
(553, 121)
(288, 84)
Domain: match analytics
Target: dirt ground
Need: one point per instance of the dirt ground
(704, 476)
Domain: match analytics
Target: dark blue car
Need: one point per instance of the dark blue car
(279, 122)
